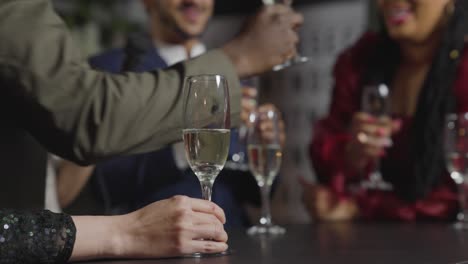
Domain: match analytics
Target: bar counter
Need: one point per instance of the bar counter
(340, 243)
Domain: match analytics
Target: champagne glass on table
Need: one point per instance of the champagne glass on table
(376, 102)
(298, 59)
(456, 151)
(264, 153)
(206, 130)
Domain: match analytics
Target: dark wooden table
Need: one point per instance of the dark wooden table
(342, 243)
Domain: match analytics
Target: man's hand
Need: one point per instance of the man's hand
(267, 126)
(248, 102)
(268, 39)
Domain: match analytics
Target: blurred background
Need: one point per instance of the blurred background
(302, 92)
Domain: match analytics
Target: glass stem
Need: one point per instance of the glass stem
(376, 176)
(206, 188)
(463, 214)
(265, 189)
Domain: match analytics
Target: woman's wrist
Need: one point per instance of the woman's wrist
(121, 236)
(99, 237)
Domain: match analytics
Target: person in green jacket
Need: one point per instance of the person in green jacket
(86, 115)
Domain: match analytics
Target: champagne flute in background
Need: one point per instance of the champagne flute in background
(206, 130)
(456, 151)
(264, 153)
(298, 59)
(376, 102)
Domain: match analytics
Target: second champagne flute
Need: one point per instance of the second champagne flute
(376, 102)
(456, 157)
(264, 153)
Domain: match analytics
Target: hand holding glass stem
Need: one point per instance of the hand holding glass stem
(297, 59)
(376, 102)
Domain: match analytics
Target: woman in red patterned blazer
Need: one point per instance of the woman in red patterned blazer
(421, 56)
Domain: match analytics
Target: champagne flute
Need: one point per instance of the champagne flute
(206, 130)
(298, 59)
(456, 151)
(264, 153)
(375, 101)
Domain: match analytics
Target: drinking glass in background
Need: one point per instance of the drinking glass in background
(264, 154)
(376, 102)
(206, 127)
(456, 150)
(298, 59)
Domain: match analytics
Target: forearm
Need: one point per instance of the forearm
(328, 153)
(168, 228)
(82, 114)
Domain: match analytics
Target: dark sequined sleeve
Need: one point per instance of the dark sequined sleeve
(39, 237)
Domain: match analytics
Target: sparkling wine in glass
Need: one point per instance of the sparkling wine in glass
(206, 151)
(376, 102)
(456, 151)
(298, 59)
(206, 132)
(264, 153)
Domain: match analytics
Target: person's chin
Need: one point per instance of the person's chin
(193, 31)
(401, 34)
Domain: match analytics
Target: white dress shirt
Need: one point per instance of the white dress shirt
(51, 197)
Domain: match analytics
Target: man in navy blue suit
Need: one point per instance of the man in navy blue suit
(128, 183)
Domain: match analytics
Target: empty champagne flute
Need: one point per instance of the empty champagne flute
(206, 130)
(264, 154)
(456, 151)
(298, 59)
(376, 102)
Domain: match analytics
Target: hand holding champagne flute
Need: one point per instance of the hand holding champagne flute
(376, 102)
(297, 59)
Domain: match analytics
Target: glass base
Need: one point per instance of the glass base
(294, 61)
(209, 255)
(377, 185)
(460, 225)
(266, 229)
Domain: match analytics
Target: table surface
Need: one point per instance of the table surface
(341, 243)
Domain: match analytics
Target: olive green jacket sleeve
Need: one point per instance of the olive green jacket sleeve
(82, 114)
